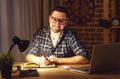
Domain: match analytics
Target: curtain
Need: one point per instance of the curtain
(22, 18)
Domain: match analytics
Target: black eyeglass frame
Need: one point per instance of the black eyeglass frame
(61, 21)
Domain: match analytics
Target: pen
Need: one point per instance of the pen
(42, 54)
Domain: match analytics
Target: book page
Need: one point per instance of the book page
(35, 65)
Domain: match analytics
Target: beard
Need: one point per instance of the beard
(56, 29)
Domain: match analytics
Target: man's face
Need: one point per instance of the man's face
(58, 21)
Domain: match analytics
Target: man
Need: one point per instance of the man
(56, 43)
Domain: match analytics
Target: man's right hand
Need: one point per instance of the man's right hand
(42, 60)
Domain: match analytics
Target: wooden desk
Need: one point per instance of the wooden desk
(60, 73)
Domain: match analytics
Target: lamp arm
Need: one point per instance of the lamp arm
(11, 47)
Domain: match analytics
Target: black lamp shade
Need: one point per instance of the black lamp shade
(22, 44)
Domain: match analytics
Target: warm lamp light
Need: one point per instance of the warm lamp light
(22, 44)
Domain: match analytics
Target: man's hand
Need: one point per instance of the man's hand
(53, 59)
(42, 61)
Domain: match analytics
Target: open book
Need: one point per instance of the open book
(35, 65)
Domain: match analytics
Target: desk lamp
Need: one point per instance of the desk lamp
(22, 44)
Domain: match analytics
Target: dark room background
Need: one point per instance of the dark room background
(23, 17)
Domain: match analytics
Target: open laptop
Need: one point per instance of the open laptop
(105, 58)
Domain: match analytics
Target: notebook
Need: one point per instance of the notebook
(105, 58)
(29, 69)
(35, 65)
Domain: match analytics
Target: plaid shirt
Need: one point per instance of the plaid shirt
(68, 44)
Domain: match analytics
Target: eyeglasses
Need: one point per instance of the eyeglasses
(61, 21)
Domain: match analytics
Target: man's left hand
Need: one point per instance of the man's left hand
(53, 59)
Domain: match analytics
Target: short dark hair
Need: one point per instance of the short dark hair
(60, 9)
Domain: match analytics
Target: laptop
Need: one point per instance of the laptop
(105, 58)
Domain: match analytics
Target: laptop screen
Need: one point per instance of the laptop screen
(105, 58)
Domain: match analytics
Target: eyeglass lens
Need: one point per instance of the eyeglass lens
(61, 21)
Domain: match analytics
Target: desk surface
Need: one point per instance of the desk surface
(60, 73)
